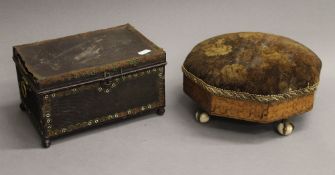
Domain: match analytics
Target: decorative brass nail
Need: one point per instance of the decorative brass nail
(99, 89)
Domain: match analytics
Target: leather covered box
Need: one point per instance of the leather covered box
(85, 80)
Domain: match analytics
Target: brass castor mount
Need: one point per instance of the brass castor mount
(202, 117)
(160, 111)
(285, 127)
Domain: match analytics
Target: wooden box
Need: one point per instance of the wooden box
(86, 80)
(250, 76)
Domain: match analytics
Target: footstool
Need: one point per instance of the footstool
(252, 76)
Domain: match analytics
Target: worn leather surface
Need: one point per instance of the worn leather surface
(72, 109)
(81, 56)
(257, 63)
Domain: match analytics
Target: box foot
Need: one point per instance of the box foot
(160, 111)
(46, 143)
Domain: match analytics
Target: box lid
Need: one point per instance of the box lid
(83, 57)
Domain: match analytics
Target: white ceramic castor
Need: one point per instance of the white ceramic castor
(202, 117)
(285, 128)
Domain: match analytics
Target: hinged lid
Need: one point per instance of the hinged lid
(100, 54)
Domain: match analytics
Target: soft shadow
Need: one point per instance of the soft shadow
(20, 132)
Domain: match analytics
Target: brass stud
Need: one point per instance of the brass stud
(107, 90)
(110, 116)
(46, 97)
(148, 71)
(96, 121)
(129, 111)
(116, 115)
(113, 84)
(74, 90)
(142, 108)
(48, 120)
(53, 95)
(154, 69)
(89, 123)
(47, 115)
(149, 106)
(99, 89)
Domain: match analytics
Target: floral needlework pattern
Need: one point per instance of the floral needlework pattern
(217, 49)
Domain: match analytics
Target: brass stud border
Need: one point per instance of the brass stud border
(51, 132)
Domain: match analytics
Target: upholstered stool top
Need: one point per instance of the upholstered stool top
(254, 63)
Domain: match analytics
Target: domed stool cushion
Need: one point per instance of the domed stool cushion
(252, 76)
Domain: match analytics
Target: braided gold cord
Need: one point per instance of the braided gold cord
(247, 96)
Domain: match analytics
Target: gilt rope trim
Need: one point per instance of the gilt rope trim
(248, 96)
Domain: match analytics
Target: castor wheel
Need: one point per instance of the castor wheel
(160, 111)
(22, 107)
(285, 128)
(202, 117)
(46, 143)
